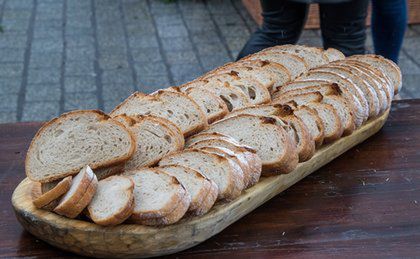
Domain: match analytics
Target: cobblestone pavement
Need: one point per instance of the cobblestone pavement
(59, 55)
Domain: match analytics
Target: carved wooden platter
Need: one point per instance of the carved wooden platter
(128, 240)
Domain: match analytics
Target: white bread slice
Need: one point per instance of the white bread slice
(334, 54)
(202, 190)
(254, 164)
(102, 173)
(212, 105)
(333, 128)
(53, 194)
(313, 56)
(388, 67)
(113, 201)
(154, 140)
(209, 135)
(80, 194)
(266, 135)
(372, 96)
(256, 92)
(56, 150)
(232, 96)
(312, 121)
(294, 64)
(362, 111)
(173, 106)
(37, 192)
(159, 199)
(227, 175)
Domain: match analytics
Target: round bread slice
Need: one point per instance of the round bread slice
(53, 194)
(67, 143)
(159, 199)
(208, 135)
(154, 140)
(334, 54)
(227, 175)
(202, 190)
(312, 121)
(264, 134)
(81, 192)
(113, 201)
(254, 164)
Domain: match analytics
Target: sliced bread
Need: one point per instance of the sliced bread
(154, 140)
(202, 190)
(208, 135)
(80, 194)
(49, 196)
(173, 106)
(56, 150)
(334, 54)
(212, 105)
(313, 56)
(227, 175)
(266, 135)
(159, 199)
(113, 201)
(313, 123)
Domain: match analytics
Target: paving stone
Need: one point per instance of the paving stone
(141, 29)
(184, 56)
(145, 55)
(169, 19)
(113, 91)
(78, 32)
(149, 84)
(40, 111)
(109, 105)
(73, 101)
(15, 25)
(407, 65)
(10, 85)
(78, 68)
(86, 40)
(117, 76)
(209, 36)
(18, 5)
(177, 43)
(151, 68)
(234, 31)
(113, 61)
(221, 7)
(43, 92)
(236, 43)
(8, 102)
(12, 40)
(147, 41)
(79, 84)
(45, 60)
(17, 15)
(11, 69)
(12, 55)
(214, 60)
(183, 73)
(47, 45)
(228, 20)
(80, 53)
(206, 49)
(8, 117)
(44, 75)
(410, 85)
(168, 31)
(200, 26)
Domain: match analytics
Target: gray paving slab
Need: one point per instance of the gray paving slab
(93, 54)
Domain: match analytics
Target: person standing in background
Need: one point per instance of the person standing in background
(389, 21)
(343, 25)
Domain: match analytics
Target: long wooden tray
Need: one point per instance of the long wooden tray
(126, 240)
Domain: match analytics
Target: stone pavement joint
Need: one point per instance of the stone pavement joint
(59, 55)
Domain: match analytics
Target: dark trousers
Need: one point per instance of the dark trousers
(342, 25)
(389, 20)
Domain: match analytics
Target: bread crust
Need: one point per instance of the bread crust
(56, 192)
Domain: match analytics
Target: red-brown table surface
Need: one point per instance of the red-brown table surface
(366, 203)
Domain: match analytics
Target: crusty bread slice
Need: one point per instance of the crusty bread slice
(37, 192)
(388, 67)
(80, 194)
(55, 151)
(154, 140)
(266, 135)
(159, 199)
(312, 121)
(212, 105)
(113, 201)
(227, 175)
(362, 111)
(53, 194)
(233, 97)
(102, 173)
(334, 54)
(202, 190)
(253, 162)
(313, 56)
(208, 135)
(298, 130)
(294, 64)
(173, 106)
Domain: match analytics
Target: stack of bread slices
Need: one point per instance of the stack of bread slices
(159, 158)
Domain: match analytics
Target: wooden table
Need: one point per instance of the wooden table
(365, 203)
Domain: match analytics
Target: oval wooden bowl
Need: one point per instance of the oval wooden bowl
(128, 240)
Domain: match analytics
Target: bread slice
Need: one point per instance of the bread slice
(313, 123)
(81, 192)
(333, 128)
(294, 64)
(297, 130)
(55, 151)
(313, 56)
(113, 201)
(253, 162)
(47, 197)
(362, 111)
(102, 173)
(227, 175)
(202, 190)
(266, 135)
(159, 199)
(212, 105)
(154, 140)
(208, 135)
(233, 97)
(334, 54)
(388, 67)
(173, 106)
(372, 96)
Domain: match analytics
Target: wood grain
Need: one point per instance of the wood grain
(86, 238)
